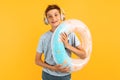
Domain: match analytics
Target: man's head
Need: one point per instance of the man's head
(53, 15)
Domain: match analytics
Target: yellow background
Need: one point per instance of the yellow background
(21, 25)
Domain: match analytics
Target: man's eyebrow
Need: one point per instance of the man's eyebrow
(48, 14)
(51, 14)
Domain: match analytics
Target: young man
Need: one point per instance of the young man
(52, 71)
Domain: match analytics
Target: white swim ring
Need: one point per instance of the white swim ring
(58, 50)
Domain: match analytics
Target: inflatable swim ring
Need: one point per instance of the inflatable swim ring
(58, 49)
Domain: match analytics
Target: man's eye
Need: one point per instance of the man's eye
(49, 16)
(56, 14)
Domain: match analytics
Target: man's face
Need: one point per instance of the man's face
(53, 17)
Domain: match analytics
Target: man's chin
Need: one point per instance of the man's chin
(56, 25)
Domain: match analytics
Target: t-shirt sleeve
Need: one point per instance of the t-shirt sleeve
(40, 45)
(76, 41)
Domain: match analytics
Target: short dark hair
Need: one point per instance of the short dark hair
(53, 6)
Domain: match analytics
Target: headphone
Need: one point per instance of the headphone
(62, 16)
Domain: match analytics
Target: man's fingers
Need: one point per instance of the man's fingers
(62, 69)
(59, 65)
(61, 39)
(66, 69)
(65, 34)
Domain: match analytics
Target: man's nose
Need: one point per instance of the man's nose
(53, 18)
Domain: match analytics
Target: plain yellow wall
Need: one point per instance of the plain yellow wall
(21, 25)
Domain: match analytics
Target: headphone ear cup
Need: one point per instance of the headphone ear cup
(62, 17)
(46, 21)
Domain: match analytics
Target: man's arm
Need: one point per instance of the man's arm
(76, 50)
(39, 62)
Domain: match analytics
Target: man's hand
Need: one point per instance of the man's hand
(60, 69)
(76, 50)
(64, 39)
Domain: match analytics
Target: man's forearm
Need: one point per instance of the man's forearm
(44, 65)
(79, 52)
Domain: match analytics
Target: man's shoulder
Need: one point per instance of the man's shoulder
(44, 35)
